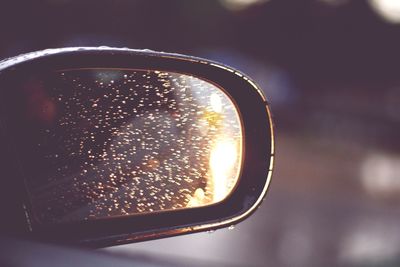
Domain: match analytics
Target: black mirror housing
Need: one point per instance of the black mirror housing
(257, 154)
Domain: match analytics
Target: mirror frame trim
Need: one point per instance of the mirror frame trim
(258, 140)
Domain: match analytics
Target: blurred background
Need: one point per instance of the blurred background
(331, 71)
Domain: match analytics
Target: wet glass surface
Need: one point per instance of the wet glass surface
(110, 142)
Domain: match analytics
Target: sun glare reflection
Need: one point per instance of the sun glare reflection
(223, 162)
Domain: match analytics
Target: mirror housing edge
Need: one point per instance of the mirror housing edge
(258, 158)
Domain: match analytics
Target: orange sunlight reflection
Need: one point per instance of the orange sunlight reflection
(223, 162)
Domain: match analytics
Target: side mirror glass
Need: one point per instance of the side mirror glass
(124, 138)
(109, 142)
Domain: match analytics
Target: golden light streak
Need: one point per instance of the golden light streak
(223, 162)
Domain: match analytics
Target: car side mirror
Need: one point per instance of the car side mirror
(104, 146)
